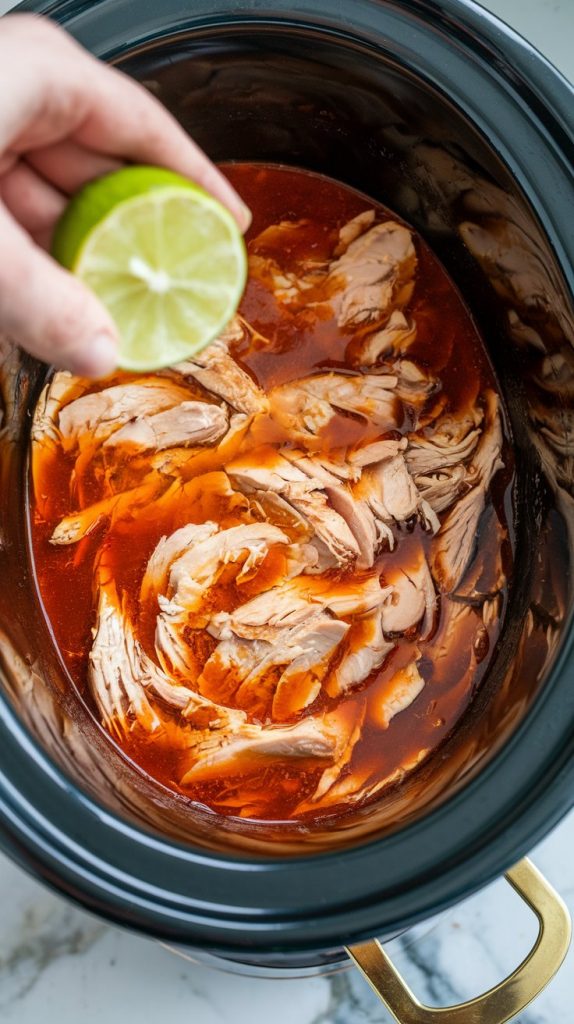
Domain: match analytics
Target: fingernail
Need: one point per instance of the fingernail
(101, 356)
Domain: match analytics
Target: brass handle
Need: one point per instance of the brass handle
(508, 998)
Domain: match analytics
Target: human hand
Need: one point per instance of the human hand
(66, 118)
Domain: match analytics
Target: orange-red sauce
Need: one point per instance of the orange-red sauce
(448, 345)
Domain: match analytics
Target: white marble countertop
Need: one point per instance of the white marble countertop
(60, 965)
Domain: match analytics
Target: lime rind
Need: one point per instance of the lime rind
(165, 257)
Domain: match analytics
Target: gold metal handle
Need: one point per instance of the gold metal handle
(501, 1003)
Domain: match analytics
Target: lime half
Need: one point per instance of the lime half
(167, 260)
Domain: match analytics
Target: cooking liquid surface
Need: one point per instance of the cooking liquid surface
(292, 345)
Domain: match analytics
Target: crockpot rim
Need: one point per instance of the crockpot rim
(50, 863)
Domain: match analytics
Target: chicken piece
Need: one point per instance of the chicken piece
(328, 526)
(300, 683)
(374, 275)
(232, 661)
(229, 663)
(272, 472)
(395, 337)
(485, 576)
(331, 774)
(122, 677)
(390, 492)
(369, 532)
(281, 235)
(116, 669)
(172, 647)
(359, 787)
(365, 650)
(442, 487)
(78, 525)
(197, 568)
(356, 597)
(300, 558)
(294, 601)
(455, 542)
(414, 386)
(326, 560)
(352, 229)
(205, 716)
(247, 667)
(377, 451)
(267, 470)
(217, 371)
(289, 287)
(447, 442)
(339, 470)
(303, 416)
(338, 788)
(167, 550)
(402, 690)
(271, 506)
(413, 598)
(317, 738)
(100, 414)
(265, 616)
(190, 423)
(307, 406)
(60, 390)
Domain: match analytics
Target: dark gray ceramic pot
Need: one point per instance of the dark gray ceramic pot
(451, 119)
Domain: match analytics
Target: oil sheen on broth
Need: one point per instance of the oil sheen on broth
(277, 572)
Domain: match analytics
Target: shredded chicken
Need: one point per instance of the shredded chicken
(218, 372)
(374, 274)
(59, 391)
(222, 753)
(390, 492)
(412, 600)
(294, 601)
(284, 607)
(367, 653)
(455, 542)
(448, 442)
(404, 688)
(99, 414)
(78, 525)
(306, 407)
(276, 474)
(396, 336)
(188, 423)
(121, 676)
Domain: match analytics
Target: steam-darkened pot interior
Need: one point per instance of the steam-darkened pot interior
(301, 99)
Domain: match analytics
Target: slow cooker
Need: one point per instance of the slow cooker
(449, 118)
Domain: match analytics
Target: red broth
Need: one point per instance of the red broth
(291, 345)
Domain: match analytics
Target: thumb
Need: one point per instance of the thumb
(49, 312)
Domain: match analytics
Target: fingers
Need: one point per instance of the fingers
(68, 165)
(49, 312)
(34, 203)
(70, 94)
